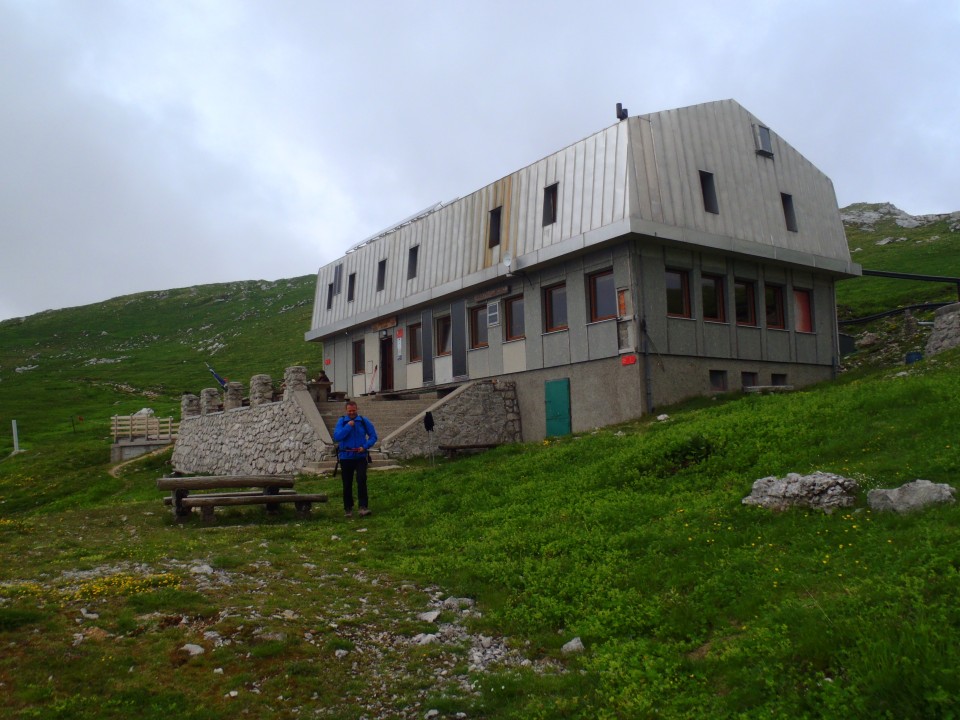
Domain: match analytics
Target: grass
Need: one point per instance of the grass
(632, 538)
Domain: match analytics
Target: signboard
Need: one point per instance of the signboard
(384, 324)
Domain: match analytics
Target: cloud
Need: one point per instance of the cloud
(157, 145)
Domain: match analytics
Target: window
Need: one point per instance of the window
(773, 297)
(338, 279)
(745, 298)
(493, 314)
(550, 204)
(478, 327)
(351, 286)
(748, 379)
(709, 190)
(761, 137)
(513, 310)
(358, 357)
(678, 293)
(789, 215)
(381, 274)
(711, 291)
(414, 343)
(442, 334)
(718, 380)
(412, 257)
(778, 379)
(603, 296)
(329, 296)
(803, 310)
(555, 307)
(493, 237)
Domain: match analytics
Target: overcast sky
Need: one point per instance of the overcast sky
(147, 145)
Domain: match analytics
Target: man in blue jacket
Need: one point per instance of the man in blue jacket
(355, 435)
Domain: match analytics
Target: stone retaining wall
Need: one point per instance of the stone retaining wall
(478, 413)
(946, 330)
(268, 439)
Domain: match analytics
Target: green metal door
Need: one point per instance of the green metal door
(557, 395)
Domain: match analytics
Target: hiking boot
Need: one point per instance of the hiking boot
(348, 514)
(364, 512)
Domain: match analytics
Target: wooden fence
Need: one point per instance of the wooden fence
(144, 427)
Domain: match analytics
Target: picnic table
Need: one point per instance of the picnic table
(227, 490)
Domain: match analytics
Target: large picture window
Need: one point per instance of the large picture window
(711, 297)
(415, 343)
(773, 298)
(478, 327)
(603, 296)
(555, 307)
(442, 335)
(678, 293)
(513, 311)
(358, 359)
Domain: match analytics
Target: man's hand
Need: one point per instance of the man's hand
(350, 423)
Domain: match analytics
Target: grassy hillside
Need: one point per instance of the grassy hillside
(144, 350)
(931, 248)
(632, 538)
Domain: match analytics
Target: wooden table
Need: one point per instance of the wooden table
(274, 490)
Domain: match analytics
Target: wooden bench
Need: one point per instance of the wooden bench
(275, 489)
(766, 389)
(451, 450)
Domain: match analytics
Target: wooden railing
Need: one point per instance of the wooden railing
(144, 427)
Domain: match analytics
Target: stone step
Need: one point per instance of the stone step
(326, 467)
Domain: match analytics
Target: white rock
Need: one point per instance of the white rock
(88, 615)
(193, 649)
(663, 417)
(429, 616)
(574, 646)
(341, 653)
(201, 570)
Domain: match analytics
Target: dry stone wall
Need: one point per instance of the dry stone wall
(946, 330)
(478, 413)
(268, 439)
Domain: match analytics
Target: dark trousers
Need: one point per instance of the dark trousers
(351, 467)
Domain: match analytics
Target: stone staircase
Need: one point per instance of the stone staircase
(387, 416)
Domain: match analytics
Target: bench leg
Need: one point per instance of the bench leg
(179, 511)
(207, 511)
(303, 508)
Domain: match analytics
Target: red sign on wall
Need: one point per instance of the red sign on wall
(628, 359)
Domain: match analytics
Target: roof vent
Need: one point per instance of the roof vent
(622, 112)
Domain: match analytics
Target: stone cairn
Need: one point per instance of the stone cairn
(209, 401)
(233, 397)
(189, 405)
(294, 378)
(261, 390)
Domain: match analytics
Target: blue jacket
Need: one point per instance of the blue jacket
(362, 434)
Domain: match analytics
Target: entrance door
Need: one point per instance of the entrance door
(386, 363)
(557, 397)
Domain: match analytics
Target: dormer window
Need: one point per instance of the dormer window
(761, 136)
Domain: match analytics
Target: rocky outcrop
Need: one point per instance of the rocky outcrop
(946, 330)
(823, 491)
(912, 496)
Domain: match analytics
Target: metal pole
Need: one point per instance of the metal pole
(16, 439)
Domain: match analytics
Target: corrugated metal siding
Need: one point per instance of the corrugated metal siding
(453, 240)
(647, 167)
